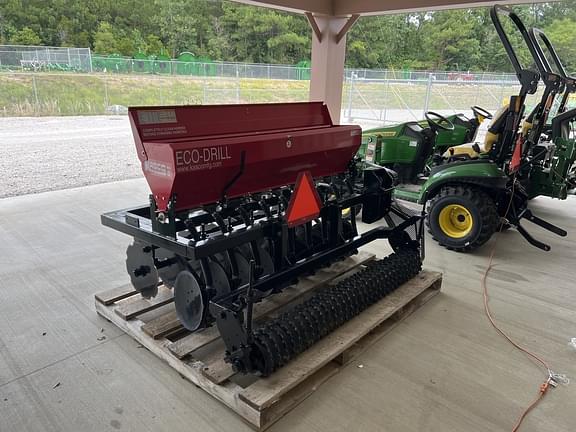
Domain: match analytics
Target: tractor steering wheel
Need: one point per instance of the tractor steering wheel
(438, 122)
(481, 112)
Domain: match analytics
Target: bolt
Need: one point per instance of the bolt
(142, 271)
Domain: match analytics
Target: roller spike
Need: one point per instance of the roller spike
(283, 338)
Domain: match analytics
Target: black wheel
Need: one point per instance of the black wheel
(462, 218)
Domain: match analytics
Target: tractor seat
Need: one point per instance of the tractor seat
(472, 150)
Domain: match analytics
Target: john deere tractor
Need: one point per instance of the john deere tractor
(473, 189)
(464, 131)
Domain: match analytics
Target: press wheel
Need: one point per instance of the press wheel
(189, 300)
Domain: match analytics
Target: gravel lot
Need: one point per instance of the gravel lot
(40, 154)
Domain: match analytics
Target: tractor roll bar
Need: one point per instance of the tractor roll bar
(525, 76)
(538, 36)
(528, 81)
(540, 58)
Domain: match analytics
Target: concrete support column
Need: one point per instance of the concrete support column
(328, 55)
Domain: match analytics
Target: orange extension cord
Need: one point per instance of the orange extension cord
(544, 386)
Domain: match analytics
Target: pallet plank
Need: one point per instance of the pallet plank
(188, 344)
(298, 394)
(163, 325)
(265, 392)
(133, 307)
(115, 294)
(218, 371)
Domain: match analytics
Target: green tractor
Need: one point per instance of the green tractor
(539, 40)
(471, 191)
(465, 130)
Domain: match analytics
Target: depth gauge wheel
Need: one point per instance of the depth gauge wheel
(462, 218)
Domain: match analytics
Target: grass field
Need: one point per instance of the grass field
(67, 94)
(43, 94)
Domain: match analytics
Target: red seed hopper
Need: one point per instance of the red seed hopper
(195, 152)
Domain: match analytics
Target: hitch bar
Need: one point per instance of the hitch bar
(542, 223)
(531, 239)
(527, 214)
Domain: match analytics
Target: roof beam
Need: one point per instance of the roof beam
(374, 7)
(349, 23)
(314, 25)
(323, 7)
(381, 7)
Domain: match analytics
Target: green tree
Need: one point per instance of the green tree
(105, 41)
(288, 46)
(264, 35)
(218, 46)
(562, 33)
(452, 43)
(185, 25)
(388, 41)
(26, 36)
(153, 45)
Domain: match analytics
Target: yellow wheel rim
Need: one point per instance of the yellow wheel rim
(455, 221)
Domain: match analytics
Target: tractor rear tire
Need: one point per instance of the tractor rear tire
(462, 218)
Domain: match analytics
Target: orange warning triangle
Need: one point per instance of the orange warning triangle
(305, 203)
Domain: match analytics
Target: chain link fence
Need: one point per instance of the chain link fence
(120, 65)
(377, 101)
(39, 58)
(364, 101)
(29, 85)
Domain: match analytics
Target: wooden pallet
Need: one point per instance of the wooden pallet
(261, 401)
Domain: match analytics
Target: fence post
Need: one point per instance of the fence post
(350, 94)
(502, 86)
(90, 59)
(35, 93)
(386, 85)
(428, 91)
(237, 85)
(106, 101)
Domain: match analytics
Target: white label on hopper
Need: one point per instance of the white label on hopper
(156, 116)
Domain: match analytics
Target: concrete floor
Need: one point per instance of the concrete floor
(443, 369)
